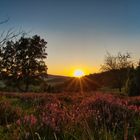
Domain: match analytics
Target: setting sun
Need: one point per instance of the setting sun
(78, 73)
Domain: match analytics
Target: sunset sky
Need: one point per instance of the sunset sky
(78, 32)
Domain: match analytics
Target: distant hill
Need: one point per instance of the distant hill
(58, 83)
(57, 79)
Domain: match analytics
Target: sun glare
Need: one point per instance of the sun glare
(78, 73)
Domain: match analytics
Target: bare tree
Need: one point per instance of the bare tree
(118, 62)
(9, 34)
(117, 66)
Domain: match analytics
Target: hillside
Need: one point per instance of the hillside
(56, 79)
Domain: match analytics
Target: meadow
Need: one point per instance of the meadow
(69, 116)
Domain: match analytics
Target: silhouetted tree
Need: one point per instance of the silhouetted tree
(117, 66)
(5, 36)
(8, 34)
(22, 62)
(116, 62)
(133, 82)
(131, 88)
(138, 78)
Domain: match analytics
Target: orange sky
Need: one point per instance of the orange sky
(68, 52)
(68, 70)
(79, 33)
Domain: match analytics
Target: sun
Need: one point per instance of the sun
(78, 73)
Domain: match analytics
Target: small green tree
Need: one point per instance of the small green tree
(22, 62)
(130, 82)
(138, 78)
(133, 81)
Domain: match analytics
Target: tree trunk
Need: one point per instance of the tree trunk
(120, 89)
(18, 85)
(27, 85)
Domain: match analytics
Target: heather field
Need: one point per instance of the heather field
(69, 116)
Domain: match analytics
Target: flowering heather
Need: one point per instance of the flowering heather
(27, 120)
(62, 115)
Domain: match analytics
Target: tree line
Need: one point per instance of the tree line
(22, 64)
(119, 71)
